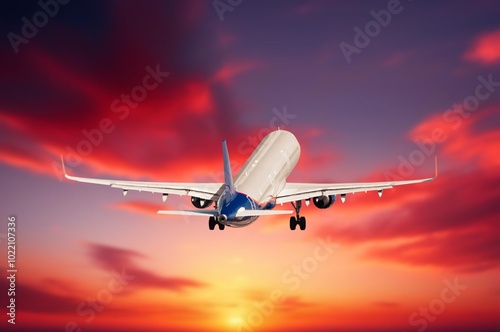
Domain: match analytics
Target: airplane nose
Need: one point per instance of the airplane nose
(222, 218)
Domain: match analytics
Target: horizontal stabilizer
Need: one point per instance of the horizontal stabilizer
(258, 213)
(199, 213)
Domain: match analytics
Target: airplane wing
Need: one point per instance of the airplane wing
(299, 191)
(208, 191)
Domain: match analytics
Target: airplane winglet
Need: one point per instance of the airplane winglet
(63, 167)
(435, 166)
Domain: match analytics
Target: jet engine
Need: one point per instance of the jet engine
(200, 203)
(324, 202)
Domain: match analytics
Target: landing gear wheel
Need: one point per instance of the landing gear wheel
(302, 223)
(211, 223)
(221, 226)
(297, 220)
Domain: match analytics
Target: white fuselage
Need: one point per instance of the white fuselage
(264, 174)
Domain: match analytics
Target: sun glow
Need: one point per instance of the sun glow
(235, 320)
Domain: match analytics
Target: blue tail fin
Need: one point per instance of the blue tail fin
(228, 174)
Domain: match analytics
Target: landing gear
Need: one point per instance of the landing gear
(294, 222)
(302, 223)
(297, 220)
(212, 222)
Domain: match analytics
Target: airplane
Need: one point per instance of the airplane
(257, 189)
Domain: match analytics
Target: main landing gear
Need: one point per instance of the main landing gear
(297, 220)
(212, 222)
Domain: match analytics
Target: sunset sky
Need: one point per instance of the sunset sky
(372, 90)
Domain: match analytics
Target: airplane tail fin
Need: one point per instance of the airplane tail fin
(228, 174)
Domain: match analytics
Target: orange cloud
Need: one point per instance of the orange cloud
(140, 207)
(485, 48)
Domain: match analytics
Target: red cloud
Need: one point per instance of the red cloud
(468, 250)
(173, 134)
(139, 141)
(385, 304)
(69, 98)
(451, 222)
(396, 59)
(39, 300)
(232, 69)
(294, 303)
(116, 259)
(307, 9)
(485, 49)
(52, 303)
(43, 309)
(225, 39)
(462, 140)
(28, 159)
